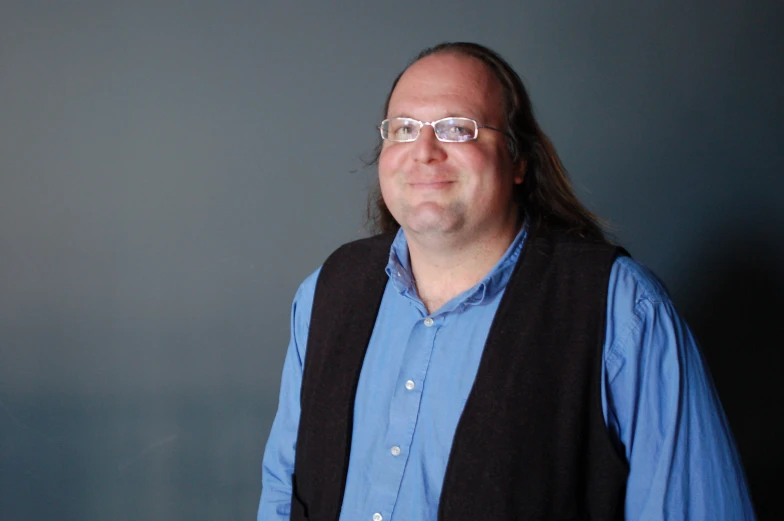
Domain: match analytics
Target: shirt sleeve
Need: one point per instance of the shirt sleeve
(663, 410)
(278, 462)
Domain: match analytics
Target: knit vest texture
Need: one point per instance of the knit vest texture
(531, 443)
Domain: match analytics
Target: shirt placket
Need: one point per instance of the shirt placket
(395, 449)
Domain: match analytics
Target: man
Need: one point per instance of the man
(492, 355)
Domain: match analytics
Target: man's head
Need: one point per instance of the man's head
(516, 169)
(435, 188)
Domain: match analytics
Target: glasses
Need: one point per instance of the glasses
(447, 130)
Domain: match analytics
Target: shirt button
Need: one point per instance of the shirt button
(428, 322)
(395, 452)
(377, 517)
(410, 385)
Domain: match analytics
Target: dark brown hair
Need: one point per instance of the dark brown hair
(545, 197)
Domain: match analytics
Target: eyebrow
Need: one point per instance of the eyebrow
(450, 115)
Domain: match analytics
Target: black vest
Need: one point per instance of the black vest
(531, 443)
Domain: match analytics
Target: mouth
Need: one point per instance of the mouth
(431, 184)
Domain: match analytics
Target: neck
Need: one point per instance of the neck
(445, 268)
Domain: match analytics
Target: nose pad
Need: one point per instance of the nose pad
(431, 134)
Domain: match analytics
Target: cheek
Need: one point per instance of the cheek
(483, 167)
(492, 178)
(386, 163)
(386, 168)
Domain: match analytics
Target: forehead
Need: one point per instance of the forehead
(447, 85)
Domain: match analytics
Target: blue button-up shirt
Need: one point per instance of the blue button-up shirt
(658, 401)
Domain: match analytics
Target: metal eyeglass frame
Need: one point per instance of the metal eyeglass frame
(433, 124)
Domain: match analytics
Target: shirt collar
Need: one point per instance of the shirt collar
(402, 278)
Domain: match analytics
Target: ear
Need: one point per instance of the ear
(519, 175)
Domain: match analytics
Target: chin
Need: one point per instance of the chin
(440, 226)
(429, 217)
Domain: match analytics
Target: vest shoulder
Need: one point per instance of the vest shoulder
(375, 247)
(357, 262)
(563, 240)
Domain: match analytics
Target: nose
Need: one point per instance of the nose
(427, 147)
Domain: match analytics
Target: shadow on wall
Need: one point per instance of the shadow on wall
(736, 311)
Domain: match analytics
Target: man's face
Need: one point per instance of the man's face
(438, 189)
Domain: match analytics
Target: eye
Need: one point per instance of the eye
(457, 129)
(404, 131)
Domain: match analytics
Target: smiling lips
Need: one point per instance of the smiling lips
(430, 184)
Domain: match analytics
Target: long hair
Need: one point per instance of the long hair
(545, 196)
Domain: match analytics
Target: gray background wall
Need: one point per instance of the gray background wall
(170, 172)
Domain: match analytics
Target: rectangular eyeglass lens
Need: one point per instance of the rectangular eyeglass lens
(401, 129)
(456, 129)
